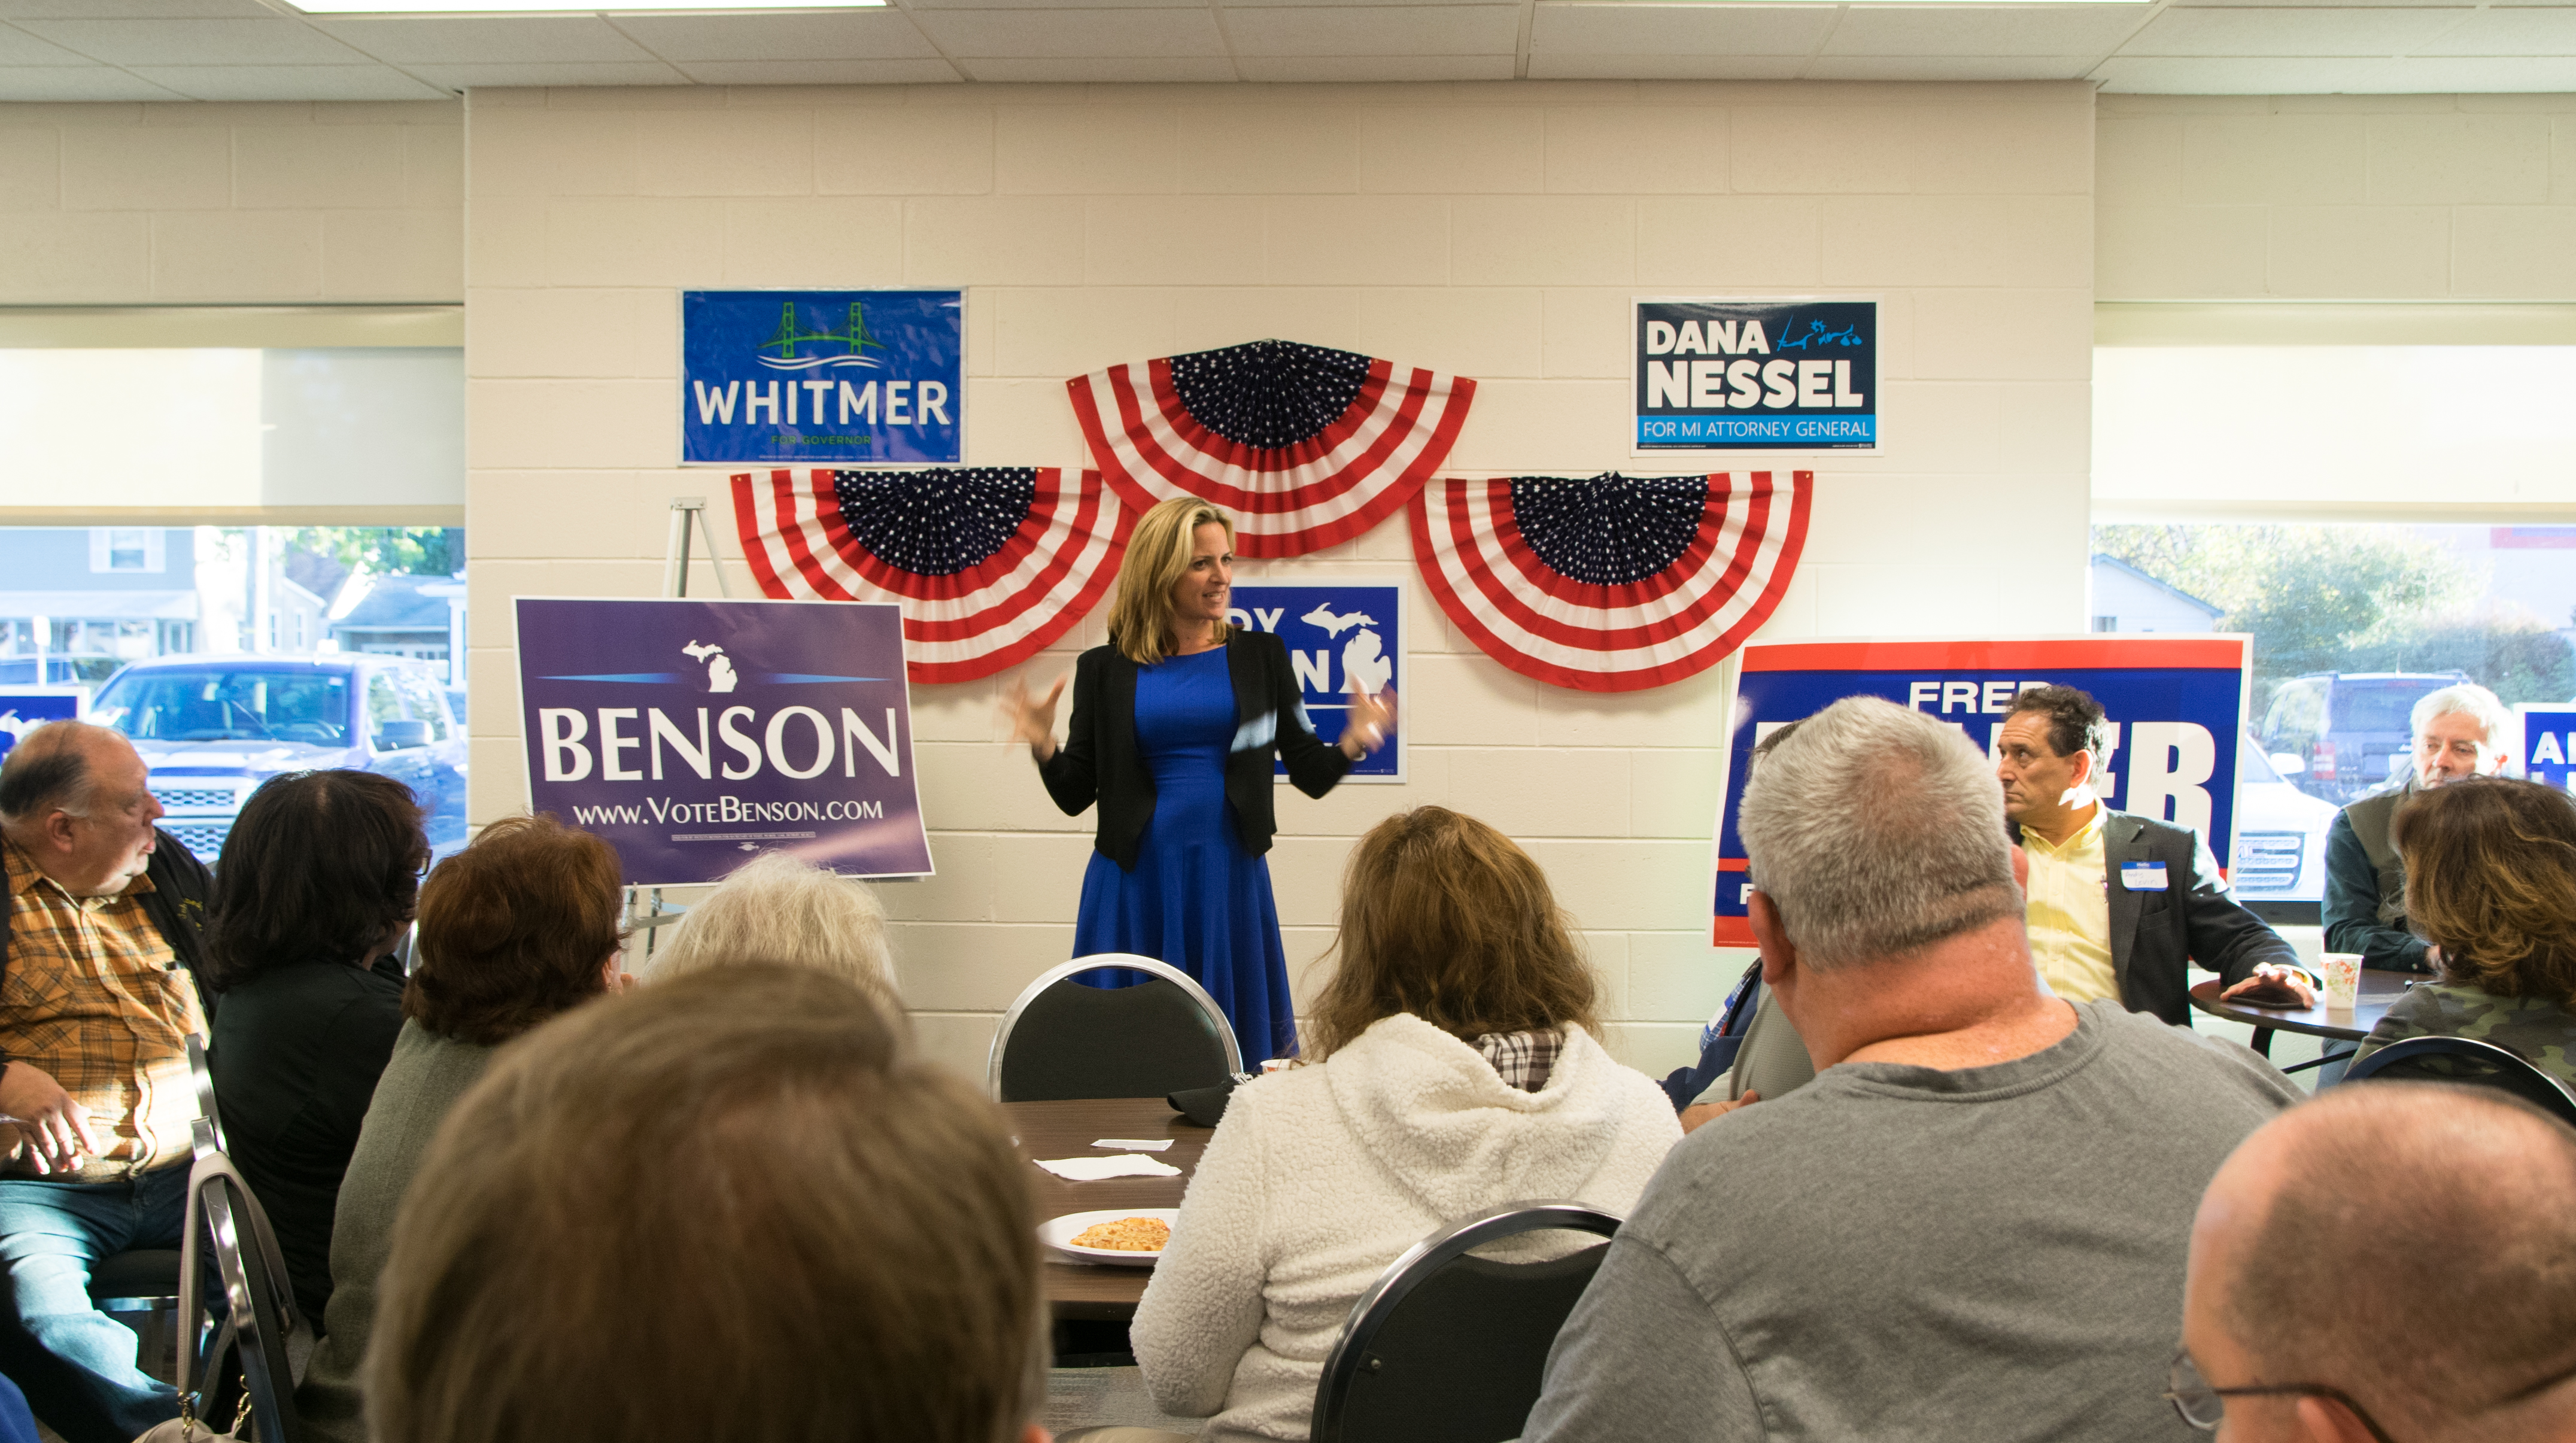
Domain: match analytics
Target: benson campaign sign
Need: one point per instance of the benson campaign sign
(819, 376)
(1755, 375)
(1338, 633)
(2176, 705)
(692, 734)
(2548, 750)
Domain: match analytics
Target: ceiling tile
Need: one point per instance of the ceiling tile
(1379, 30)
(453, 40)
(1305, 69)
(1158, 71)
(1676, 30)
(2092, 30)
(2496, 74)
(1569, 66)
(915, 7)
(81, 82)
(195, 42)
(2523, 30)
(289, 82)
(1950, 67)
(860, 35)
(134, 9)
(2240, 33)
(1075, 34)
(466, 77)
(2221, 75)
(17, 47)
(929, 71)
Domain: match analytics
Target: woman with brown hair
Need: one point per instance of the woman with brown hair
(1174, 725)
(1454, 1069)
(2491, 883)
(518, 927)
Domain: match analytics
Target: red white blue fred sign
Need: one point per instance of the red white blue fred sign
(2176, 705)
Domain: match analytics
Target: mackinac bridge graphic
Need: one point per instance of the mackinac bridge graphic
(792, 334)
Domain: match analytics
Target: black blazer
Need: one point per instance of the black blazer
(1099, 760)
(2156, 935)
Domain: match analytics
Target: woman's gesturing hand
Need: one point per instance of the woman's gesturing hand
(1032, 718)
(1371, 718)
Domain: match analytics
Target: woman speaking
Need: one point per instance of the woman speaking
(1174, 725)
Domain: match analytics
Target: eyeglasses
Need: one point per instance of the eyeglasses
(2205, 1407)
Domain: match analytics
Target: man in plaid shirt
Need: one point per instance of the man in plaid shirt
(97, 997)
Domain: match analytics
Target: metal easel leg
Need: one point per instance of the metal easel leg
(687, 516)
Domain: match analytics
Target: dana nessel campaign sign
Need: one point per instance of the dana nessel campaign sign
(1339, 633)
(822, 376)
(692, 735)
(1754, 375)
(2176, 706)
(2548, 747)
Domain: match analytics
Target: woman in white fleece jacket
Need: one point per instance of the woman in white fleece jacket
(1458, 1072)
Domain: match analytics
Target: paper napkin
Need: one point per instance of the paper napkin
(1092, 1169)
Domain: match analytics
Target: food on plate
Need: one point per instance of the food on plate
(1126, 1235)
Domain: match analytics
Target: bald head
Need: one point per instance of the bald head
(2411, 1243)
(77, 799)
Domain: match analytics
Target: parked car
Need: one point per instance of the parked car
(212, 728)
(2280, 833)
(2338, 735)
(62, 668)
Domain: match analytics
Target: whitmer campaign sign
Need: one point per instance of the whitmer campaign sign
(693, 734)
(2176, 705)
(2548, 746)
(822, 376)
(25, 708)
(1338, 632)
(1754, 375)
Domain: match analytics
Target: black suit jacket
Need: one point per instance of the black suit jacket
(1099, 760)
(2196, 918)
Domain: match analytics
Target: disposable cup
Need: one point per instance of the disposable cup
(2343, 980)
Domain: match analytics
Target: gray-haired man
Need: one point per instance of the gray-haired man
(2459, 732)
(1972, 1224)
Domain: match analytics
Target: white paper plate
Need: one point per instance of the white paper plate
(1059, 1233)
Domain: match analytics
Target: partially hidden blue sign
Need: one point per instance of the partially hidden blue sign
(693, 735)
(2176, 705)
(23, 709)
(1339, 634)
(1716, 375)
(822, 376)
(2548, 749)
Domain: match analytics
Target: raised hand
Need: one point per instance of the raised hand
(1371, 719)
(1031, 719)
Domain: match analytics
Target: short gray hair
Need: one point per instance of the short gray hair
(784, 911)
(1877, 831)
(2467, 699)
(49, 771)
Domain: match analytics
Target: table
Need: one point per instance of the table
(2379, 991)
(1065, 1129)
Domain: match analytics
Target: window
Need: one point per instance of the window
(126, 548)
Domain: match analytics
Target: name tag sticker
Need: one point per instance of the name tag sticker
(2143, 876)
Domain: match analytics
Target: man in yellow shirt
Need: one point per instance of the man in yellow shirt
(2118, 902)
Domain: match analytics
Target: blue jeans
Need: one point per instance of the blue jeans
(76, 1363)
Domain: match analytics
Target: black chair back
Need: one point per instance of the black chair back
(204, 1076)
(2471, 1060)
(261, 1327)
(1448, 1348)
(1063, 1039)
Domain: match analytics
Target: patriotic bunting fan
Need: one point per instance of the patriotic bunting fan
(1616, 583)
(1307, 447)
(990, 564)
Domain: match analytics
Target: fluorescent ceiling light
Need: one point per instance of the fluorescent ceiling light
(558, 7)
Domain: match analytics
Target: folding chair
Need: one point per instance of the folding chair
(2472, 1060)
(1062, 1039)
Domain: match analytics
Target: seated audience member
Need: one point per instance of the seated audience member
(2460, 732)
(100, 940)
(2491, 883)
(316, 888)
(1452, 1068)
(780, 909)
(2390, 1261)
(2119, 903)
(1972, 1224)
(519, 926)
(732, 1205)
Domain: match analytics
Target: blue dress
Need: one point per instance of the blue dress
(1196, 900)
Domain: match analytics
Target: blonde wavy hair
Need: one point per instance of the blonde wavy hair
(781, 910)
(1158, 554)
(2491, 880)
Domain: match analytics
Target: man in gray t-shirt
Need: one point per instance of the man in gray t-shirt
(1973, 1224)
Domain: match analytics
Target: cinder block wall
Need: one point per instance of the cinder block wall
(134, 204)
(1492, 230)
